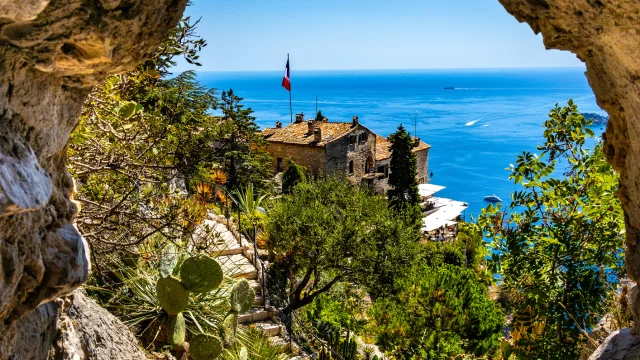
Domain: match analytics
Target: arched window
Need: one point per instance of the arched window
(351, 167)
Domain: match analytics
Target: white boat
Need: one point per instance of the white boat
(471, 123)
(492, 198)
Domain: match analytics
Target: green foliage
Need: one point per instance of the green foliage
(240, 145)
(205, 347)
(201, 274)
(561, 241)
(293, 175)
(319, 116)
(403, 191)
(242, 296)
(328, 232)
(438, 312)
(145, 137)
(257, 346)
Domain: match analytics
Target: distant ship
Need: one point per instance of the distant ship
(492, 198)
(449, 88)
(471, 123)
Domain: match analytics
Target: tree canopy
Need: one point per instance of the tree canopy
(328, 231)
(559, 245)
(438, 312)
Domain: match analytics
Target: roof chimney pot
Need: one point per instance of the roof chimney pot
(317, 135)
(311, 127)
(355, 121)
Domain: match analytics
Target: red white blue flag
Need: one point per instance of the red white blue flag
(286, 80)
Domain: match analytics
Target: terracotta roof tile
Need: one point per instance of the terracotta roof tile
(383, 148)
(296, 133)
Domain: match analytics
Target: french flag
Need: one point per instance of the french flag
(286, 80)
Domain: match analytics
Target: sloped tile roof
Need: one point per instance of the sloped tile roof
(296, 133)
(383, 148)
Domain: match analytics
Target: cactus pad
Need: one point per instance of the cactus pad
(177, 330)
(229, 328)
(242, 296)
(205, 347)
(201, 274)
(172, 295)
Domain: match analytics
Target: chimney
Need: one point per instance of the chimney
(278, 125)
(355, 121)
(317, 135)
(416, 141)
(310, 127)
(299, 118)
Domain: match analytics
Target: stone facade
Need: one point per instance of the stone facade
(347, 150)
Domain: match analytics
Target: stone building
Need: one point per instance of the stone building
(345, 149)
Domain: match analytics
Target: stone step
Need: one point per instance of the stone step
(255, 284)
(268, 327)
(237, 266)
(259, 300)
(255, 315)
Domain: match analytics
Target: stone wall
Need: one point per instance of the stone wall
(310, 156)
(606, 36)
(340, 153)
(51, 54)
(422, 168)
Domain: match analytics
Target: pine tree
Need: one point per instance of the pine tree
(402, 180)
(319, 116)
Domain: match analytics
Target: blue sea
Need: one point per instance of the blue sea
(475, 131)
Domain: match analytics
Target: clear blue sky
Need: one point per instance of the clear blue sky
(247, 35)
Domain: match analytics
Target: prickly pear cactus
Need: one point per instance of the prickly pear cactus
(201, 274)
(177, 330)
(172, 295)
(229, 328)
(242, 296)
(205, 347)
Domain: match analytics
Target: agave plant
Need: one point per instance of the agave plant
(248, 202)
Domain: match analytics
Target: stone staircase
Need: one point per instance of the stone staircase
(235, 255)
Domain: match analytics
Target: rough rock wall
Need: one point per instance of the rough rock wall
(606, 36)
(51, 54)
(74, 327)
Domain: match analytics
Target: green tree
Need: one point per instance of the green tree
(240, 144)
(439, 312)
(562, 240)
(292, 176)
(328, 231)
(319, 116)
(403, 185)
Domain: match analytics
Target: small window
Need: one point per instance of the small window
(362, 138)
(351, 167)
(386, 171)
(352, 139)
(279, 165)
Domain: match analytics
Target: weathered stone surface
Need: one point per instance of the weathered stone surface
(606, 36)
(51, 53)
(620, 345)
(74, 327)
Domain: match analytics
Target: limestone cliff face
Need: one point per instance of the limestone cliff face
(606, 36)
(51, 54)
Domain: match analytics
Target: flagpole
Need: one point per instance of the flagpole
(290, 107)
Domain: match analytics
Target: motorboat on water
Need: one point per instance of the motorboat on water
(492, 198)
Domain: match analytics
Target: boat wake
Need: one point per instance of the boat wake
(485, 125)
(471, 123)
